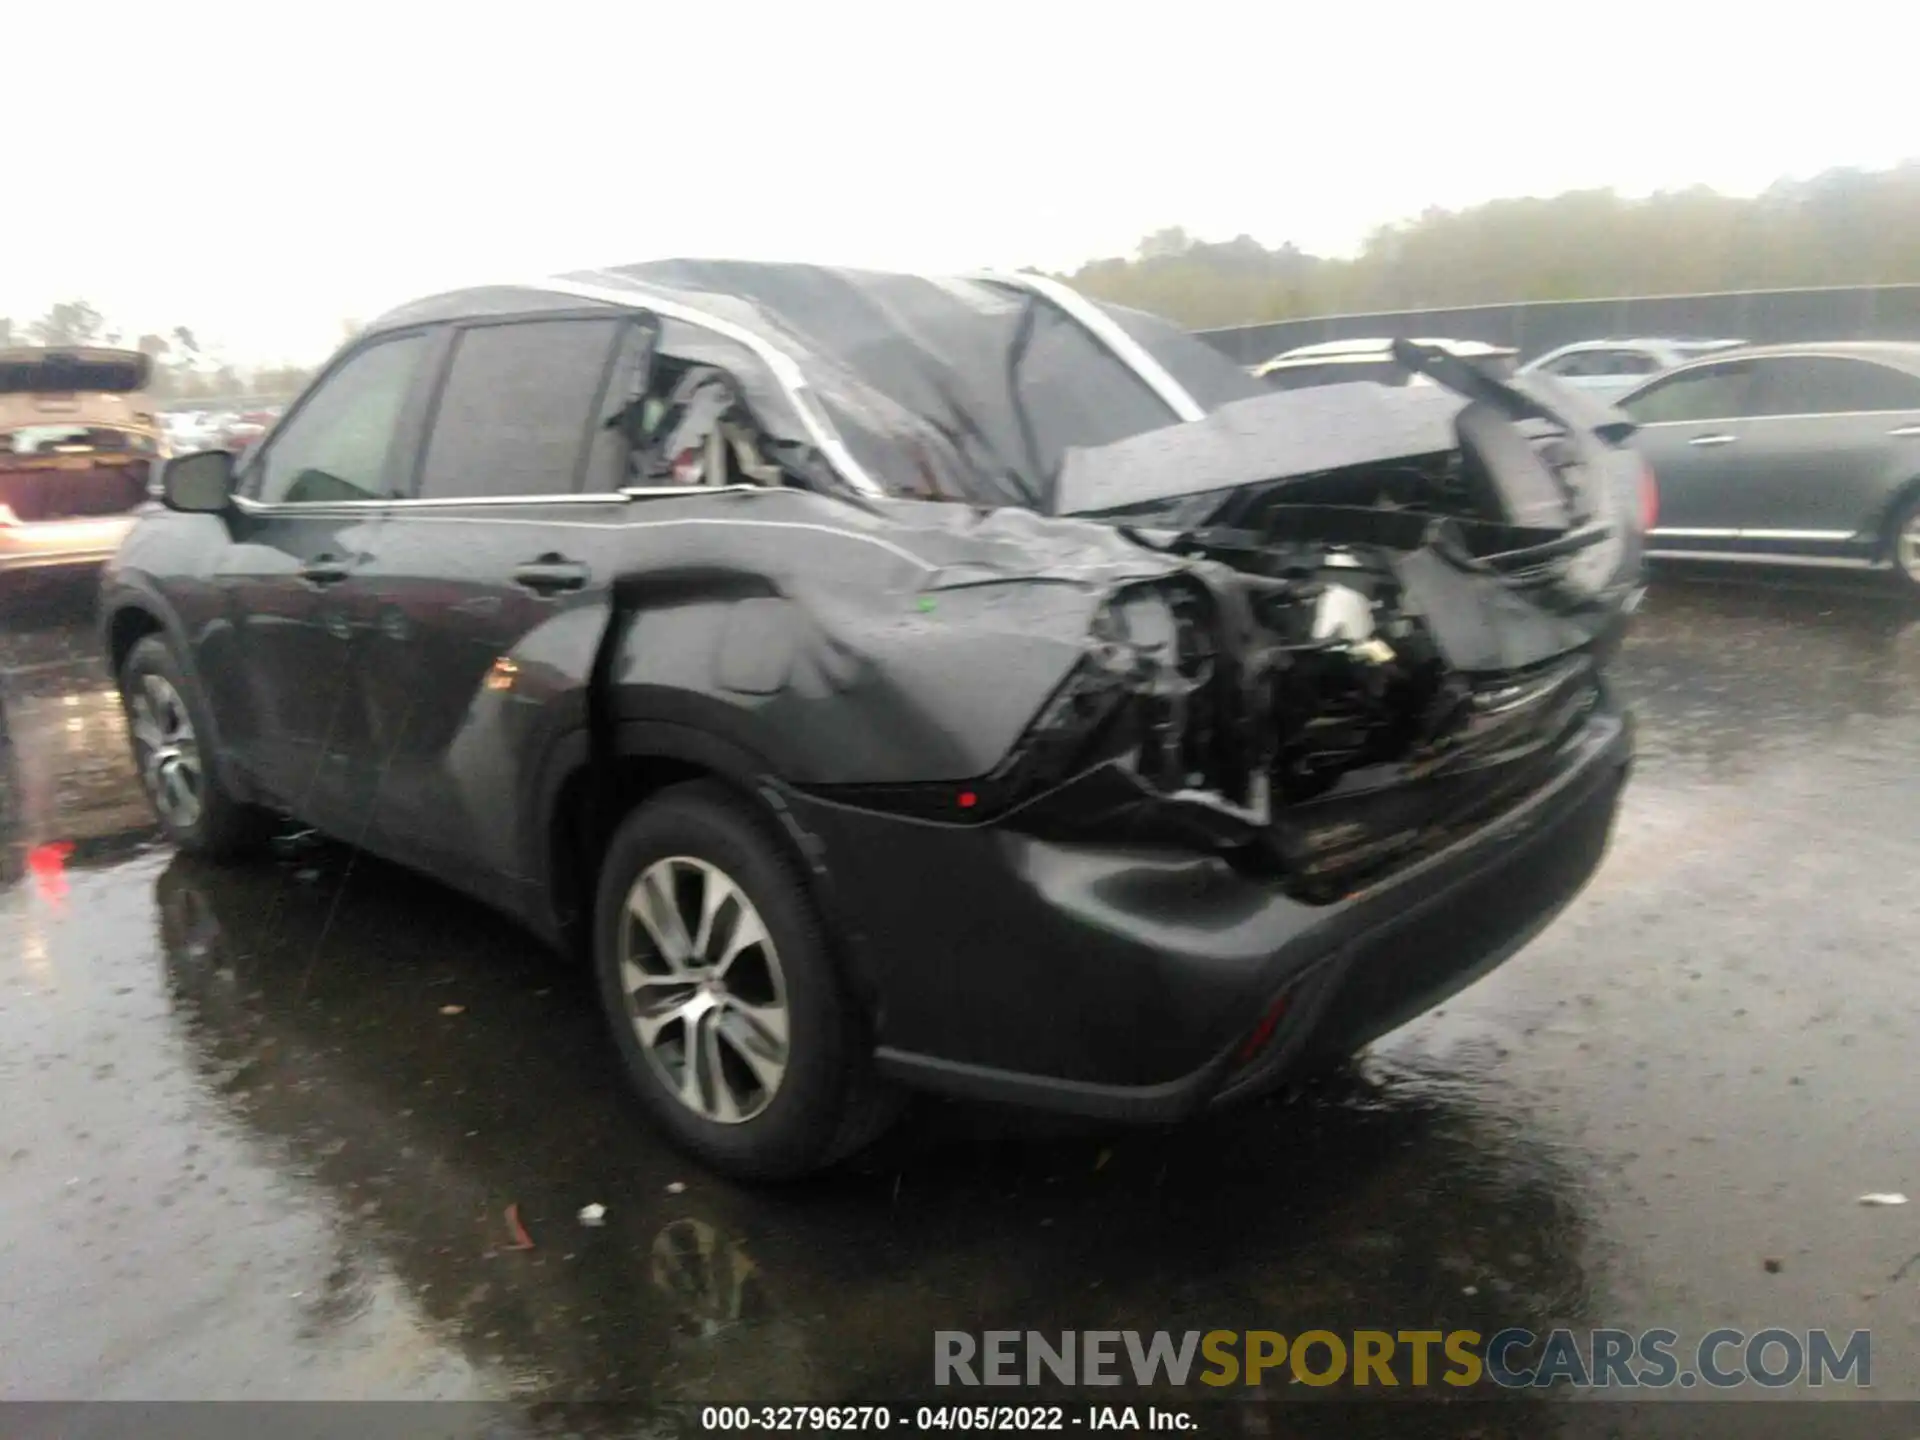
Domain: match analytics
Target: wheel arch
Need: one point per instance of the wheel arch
(125, 626)
(129, 615)
(594, 787)
(1903, 497)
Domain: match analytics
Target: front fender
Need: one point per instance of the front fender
(126, 592)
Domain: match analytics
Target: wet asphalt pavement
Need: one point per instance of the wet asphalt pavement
(260, 1129)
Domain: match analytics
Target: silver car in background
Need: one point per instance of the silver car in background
(1336, 362)
(1608, 369)
(1799, 454)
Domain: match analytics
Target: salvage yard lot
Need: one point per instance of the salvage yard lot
(264, 1126)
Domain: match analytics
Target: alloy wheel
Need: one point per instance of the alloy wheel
(705, 993)
(1906, 548)
(166, 750)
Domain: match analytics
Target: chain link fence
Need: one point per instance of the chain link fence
(1852, 312)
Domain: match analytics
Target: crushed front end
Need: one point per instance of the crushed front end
(1348, 748)
(1355, 664)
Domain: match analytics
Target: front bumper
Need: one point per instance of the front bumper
(1125, 982)
(46, 544)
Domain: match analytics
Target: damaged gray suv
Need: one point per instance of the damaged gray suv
(891, 681)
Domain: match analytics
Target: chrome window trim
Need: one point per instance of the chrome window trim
(1747, 419)
(636, 295)
(1102, 326)
(248, 505)
(860, 537)
(1749, 557)
(452, 502)
(1678, 532)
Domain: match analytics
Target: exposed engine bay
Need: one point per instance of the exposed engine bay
(1381, 612)
(1298, 716)
(1356, 665)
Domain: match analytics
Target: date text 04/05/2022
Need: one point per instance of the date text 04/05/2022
(943, 1417)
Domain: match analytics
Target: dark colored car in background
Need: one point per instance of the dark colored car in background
(883, 679)
(1799, 454)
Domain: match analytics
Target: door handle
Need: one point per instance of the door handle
(1906, 431)
(550, 574)
(325, 570)
(1705, 440)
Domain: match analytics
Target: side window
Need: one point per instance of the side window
(1568, 365)
(515, 413)
(338, 444)
(1076, 392)
(1630, 362)
(1712, 392)
(1832, 385)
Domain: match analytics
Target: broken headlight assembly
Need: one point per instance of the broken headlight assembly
(1138, 717)
(1289, 713)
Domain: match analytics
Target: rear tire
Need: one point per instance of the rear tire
(721, 988)
(168, 728)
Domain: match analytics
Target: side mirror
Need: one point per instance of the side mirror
(201, 483)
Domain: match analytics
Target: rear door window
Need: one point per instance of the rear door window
(1833, 385)
(517, 414)
(1711, 392)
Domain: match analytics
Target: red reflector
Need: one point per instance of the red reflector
(1649, 497)
(1263, 1032)
(49, 866)
(968, 799)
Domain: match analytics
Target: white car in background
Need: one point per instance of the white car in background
(1608, 369)
(1335, 362)
(183, 430)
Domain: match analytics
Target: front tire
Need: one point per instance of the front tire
(167, 725)
(724, 998)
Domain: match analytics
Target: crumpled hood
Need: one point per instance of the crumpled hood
(1291, 434)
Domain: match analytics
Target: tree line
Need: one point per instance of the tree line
(1844, 227)
(183, 368)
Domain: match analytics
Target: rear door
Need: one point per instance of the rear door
(491, 585)
(1835, 437)
(1695, 425)
(309, 506)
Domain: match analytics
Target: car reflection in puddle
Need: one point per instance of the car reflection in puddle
(316, 1016)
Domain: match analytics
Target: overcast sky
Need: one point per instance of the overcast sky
(262, 172)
